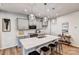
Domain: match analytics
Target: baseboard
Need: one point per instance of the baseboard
(73, 45)
(8, 47)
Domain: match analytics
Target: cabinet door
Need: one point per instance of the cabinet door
(22, 24)
(39, 24)
(32, 22)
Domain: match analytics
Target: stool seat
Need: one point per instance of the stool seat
(56, 43)
(45, 49)
(51, 45)
(34, 53)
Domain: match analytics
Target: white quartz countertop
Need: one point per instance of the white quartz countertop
(33, 42)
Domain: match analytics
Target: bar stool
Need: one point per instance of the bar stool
(60, 47)
(34, 53)
(44, 50)
(57, 45)
(52, 46)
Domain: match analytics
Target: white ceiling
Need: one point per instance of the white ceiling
(39, 9)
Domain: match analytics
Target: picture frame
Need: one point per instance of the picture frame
(6, 25)
(65, 27)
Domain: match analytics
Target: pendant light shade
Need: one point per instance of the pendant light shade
(45, 22)
(31, 17)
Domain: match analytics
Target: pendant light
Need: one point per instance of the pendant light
(54, 17)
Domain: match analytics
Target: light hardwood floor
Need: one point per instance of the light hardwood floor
(67, 50)
(11, 51)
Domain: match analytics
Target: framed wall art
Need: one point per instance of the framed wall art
(6, 25)
(65, 27)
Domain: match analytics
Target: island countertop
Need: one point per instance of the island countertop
(35, 41)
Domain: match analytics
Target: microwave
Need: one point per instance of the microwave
(32, 27)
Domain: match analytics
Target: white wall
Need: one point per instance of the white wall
(0, 35)
(8, 39)
(73, 20)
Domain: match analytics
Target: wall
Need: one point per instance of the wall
(73, 20)
(0, 35)
(8, 39)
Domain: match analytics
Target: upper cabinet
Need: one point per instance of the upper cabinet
(39, 24)
(22, 23)
(31, 20)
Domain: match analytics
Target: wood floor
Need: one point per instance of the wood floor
(67, 50)
(11, 51)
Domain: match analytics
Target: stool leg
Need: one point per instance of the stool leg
(60, 48)
(56, 49)
(52, 51)
(44, 53)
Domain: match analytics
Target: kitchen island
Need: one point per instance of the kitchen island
(30, 44)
